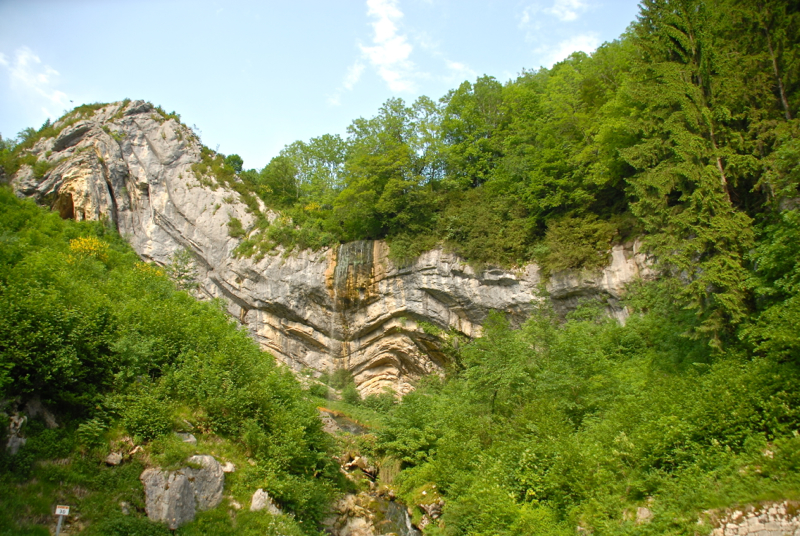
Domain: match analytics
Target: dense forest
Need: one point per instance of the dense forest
(683, 133)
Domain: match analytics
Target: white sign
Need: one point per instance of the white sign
(62, 510)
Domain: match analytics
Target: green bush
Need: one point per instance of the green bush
(575, 242)
(235, 229)
(351, 395)
(120, 525)
(146, 417)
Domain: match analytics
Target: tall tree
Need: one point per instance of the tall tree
(471, 125)
(683, 184)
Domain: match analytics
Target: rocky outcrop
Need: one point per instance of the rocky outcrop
(15, 439)
(346, 307)
(367, 514)
(262, 501)
(173, 497)
(767, 519)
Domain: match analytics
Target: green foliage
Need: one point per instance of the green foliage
(340, 378)
(146, 417)
(572, 243)
(115, 348)
(777, 284)
(557, 425)
(235, 162)
(163, 116)
(182, 270)
(235, 229)
(351, 395)
(120, 525)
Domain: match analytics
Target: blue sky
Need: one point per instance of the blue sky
(255, 76)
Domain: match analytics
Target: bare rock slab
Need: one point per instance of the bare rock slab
(173, 497)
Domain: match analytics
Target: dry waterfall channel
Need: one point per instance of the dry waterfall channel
(346, 307)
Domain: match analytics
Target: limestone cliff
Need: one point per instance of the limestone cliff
(349, 306)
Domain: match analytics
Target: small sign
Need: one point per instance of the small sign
(62, 510)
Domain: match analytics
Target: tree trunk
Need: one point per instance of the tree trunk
(784, 101)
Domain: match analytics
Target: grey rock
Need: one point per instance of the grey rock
(15, 439)
(262, 501)
(643, 515)
(346, 307)
(14, 444)
(168, 497)
(208, 481)
(125, 508)
(173, 497)
(765, 519)
(228, 467)
(329, 425)
(187, 437)
(35, 408)
(115, 458)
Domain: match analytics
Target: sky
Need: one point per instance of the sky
(254, 76)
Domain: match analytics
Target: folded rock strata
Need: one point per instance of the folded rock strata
(345, 307)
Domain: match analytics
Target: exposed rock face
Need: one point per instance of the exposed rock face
(348, 307)
(367, 514)
(769, 519)
(262, 501)
(173, 497)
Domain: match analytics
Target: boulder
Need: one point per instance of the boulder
(173, 497)
(14, 444)
(208, 481)
(187, 437)
(262, 501)
(643, 515)
(35, 408)
(169, 497)
(15, 439)
(115, 458)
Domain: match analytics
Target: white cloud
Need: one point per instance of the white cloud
(391, 50)
(584, 42)
(461, 70)
(351, 78)
(567, 10)
(526, 18)
(35, 79)
(353, 75)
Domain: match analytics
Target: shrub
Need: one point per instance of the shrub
(350, 394)
(146, 417)
(235, 229)
(575, 242)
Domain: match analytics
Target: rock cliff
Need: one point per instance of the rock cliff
(349, 306)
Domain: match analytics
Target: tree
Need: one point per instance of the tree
(683, 183)
(235, 162)
(182, 270)
(387, 172)
(278, 180)
(472, 121)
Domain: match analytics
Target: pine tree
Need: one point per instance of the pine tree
(684, 181)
